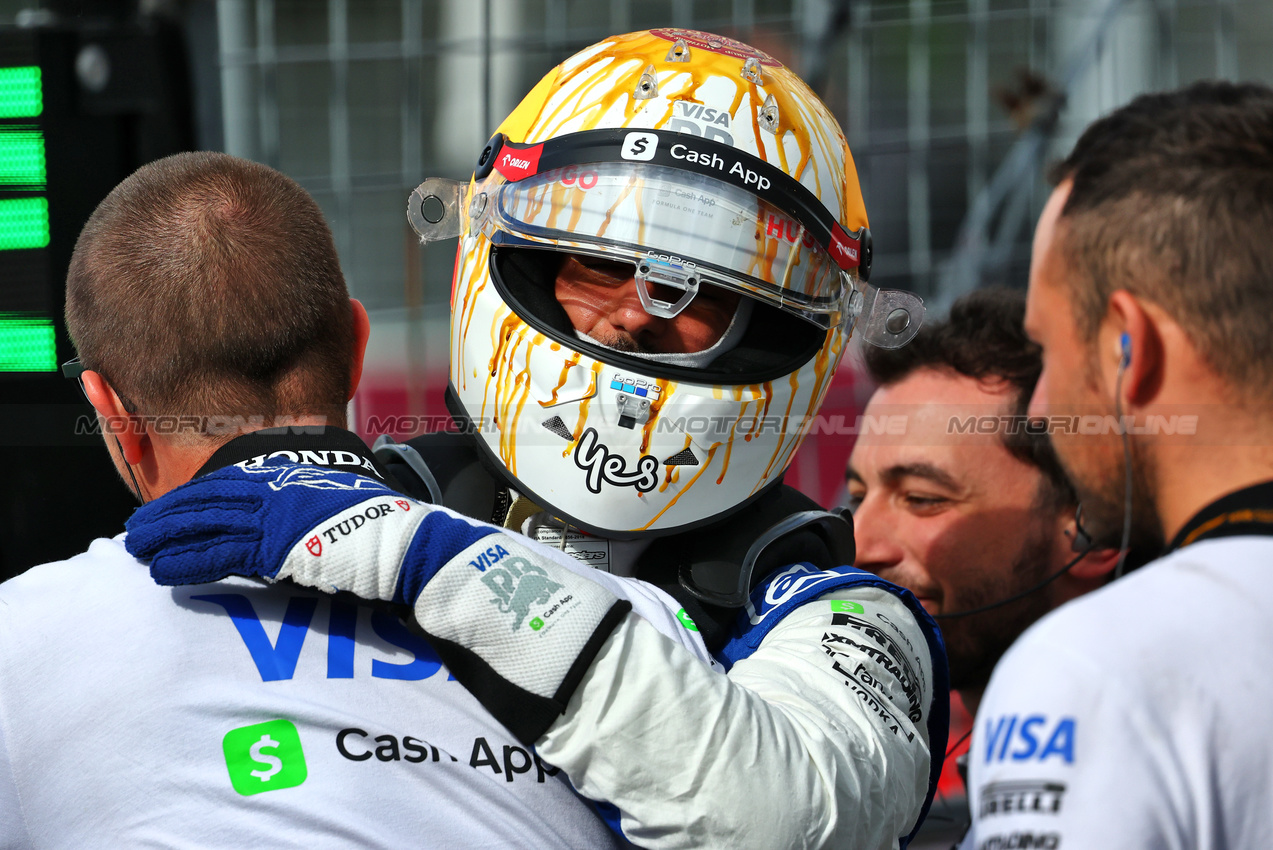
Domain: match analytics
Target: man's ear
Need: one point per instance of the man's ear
(362, 332)
(1131, 334)
(1096, 565)
(116, 419)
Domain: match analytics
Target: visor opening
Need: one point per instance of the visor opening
(775, 344)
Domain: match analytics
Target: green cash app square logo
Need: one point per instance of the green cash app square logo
(264, 757)
(844, 606)
(686, 620)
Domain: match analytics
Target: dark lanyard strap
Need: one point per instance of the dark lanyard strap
(1244, 512)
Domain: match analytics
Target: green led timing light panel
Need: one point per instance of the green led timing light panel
(27, 340)
(26, 343)
(20, 92)
(22, 158)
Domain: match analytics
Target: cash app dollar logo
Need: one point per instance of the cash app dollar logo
(264, 757)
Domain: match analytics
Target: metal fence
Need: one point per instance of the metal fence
(952, 109)
(360, 99)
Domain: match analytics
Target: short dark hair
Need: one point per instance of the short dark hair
(984, 339)
(1172, 200)
(204, 285)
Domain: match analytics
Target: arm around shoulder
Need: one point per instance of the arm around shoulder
(818, 737)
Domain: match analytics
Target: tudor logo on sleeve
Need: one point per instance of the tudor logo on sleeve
(639, 147)
(348, 525)
(351, 523)
(377, 530)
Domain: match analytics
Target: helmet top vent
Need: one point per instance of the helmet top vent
(680, 52)
(769, 115)
(648, 86)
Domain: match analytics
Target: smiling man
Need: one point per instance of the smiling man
(1137, 716)
(968, 520)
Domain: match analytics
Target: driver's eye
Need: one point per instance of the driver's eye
(618, 272)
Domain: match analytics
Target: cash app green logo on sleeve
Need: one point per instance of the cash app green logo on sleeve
(264, 757)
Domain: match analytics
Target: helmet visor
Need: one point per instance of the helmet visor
(705, 231)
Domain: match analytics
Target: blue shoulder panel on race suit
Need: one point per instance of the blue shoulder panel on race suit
(799, 584)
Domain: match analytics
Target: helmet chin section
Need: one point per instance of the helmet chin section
(595, 516)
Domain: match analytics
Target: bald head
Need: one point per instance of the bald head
(209, 285)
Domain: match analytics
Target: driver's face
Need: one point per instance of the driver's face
(600, 298)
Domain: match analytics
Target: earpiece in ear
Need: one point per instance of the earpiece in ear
(1124, 350)
(1082, 541)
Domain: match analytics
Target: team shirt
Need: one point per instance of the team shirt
(1135, 716)
(236, 714)
(243, 714)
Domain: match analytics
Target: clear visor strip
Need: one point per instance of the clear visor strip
(886, 318)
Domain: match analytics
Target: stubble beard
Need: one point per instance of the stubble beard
(975, 644)
(625, 343)
(1100, 481)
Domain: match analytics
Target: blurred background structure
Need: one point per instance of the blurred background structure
(952, 108)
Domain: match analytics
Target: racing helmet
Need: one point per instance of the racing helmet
(700, 162)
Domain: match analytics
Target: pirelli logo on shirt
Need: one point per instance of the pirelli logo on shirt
(1025, 796)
